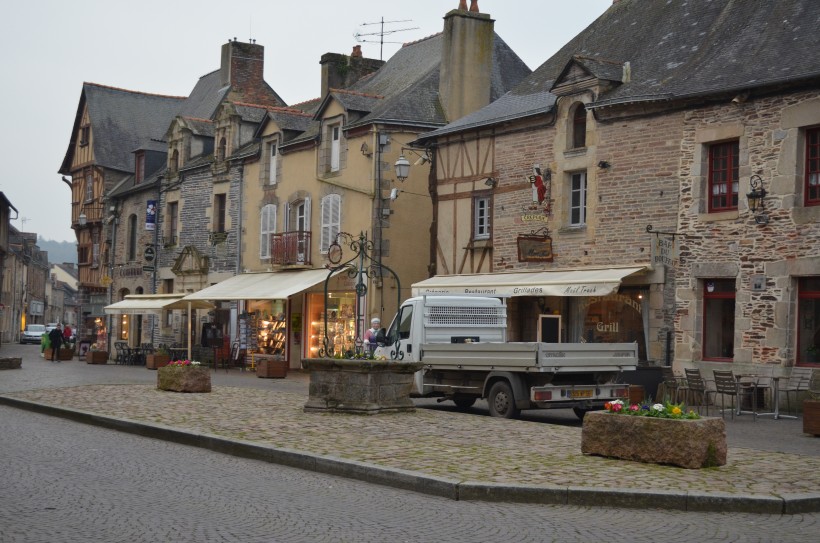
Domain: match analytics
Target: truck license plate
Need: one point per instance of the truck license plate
(580, 394)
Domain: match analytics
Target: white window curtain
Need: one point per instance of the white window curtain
(331, 219)
(268, 227)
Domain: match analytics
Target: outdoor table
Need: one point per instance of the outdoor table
(752, 380)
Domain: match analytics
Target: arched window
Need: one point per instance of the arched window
(267, 228)
(579, 126)
(220, 152)
(132, 238)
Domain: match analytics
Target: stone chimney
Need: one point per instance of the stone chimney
(340, 71)
(243, 66)
(466, 61)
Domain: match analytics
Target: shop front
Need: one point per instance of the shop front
(284, 313)
(575, 306)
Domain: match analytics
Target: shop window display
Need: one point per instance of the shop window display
(620, 317)
(340, 313)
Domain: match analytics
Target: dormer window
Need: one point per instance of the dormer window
(579, 126)
(221, 149)
(139, 168)
(335, 147)
(175, 161)
(273, 166)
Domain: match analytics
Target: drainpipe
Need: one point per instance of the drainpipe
(111, 256)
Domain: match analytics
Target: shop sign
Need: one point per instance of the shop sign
(665, 250)
(534, 249)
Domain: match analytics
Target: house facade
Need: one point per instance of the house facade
(646, 166)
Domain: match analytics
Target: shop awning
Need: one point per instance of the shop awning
(261, 286)
(582, 282)
(153, 304)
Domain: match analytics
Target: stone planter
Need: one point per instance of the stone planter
(184, 379)
(366, 387)
(271, 366)
(156, 361)
(687, 443)
(96, 357)
(11, 363)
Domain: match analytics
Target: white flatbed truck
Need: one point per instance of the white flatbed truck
(461, 340)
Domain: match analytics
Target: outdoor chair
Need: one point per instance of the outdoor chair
(725, 385)
(797, 383)
(670, 385)
(696, 390)
(755, 387)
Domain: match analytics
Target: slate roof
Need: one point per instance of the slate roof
(121, 121)
(676, 50)
(409, 83)
(205, 97)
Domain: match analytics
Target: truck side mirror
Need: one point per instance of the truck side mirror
(381, 337)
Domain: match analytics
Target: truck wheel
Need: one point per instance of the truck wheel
(580, 412)
(463, 401)
(502, 401)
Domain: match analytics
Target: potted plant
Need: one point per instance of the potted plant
(660, 433)
(158, 358)
(184, 376)
(95, 355)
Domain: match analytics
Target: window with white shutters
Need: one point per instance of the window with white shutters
(268, 227)
(331, 219)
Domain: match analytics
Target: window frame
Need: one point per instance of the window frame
(804, 295)
(266, 233)
(811, 193)
(335, 136)
(220, 213)
(331, 207)
(731, 161)
(132, 238)
(482, 231)
(173, 223)
(273, 163)
(712, 328)
(578, 139)
(85, 132)
(139, 167)
(89, 186)
(580, 206)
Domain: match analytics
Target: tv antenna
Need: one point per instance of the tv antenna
(382, 33)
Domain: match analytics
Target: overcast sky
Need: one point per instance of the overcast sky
(49, 47)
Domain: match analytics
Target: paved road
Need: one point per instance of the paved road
(64, 482)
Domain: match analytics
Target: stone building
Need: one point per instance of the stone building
(658, 185)
(325, 167)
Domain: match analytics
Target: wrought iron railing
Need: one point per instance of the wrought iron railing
(290, 248)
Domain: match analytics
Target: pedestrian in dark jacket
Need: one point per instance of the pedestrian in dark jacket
(56, 337)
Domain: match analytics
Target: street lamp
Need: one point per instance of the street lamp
(402, 168)
(756, 198)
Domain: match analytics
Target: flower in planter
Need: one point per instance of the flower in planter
(183, 364)
(658, 410)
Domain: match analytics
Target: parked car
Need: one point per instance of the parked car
(51, 326)
(33, 333)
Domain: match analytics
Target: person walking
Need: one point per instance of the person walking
(56, 338)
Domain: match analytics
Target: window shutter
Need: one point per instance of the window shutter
(307, 214)
(331, 209)
(267, 227)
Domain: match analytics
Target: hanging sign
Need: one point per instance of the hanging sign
(534, 249)
(665, 250)
(151, 215)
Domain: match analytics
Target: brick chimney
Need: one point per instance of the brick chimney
(466, 61)
(243, 66)
(340, 71)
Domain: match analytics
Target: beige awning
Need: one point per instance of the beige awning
(581, 282)
(153, 304)
(261, 286)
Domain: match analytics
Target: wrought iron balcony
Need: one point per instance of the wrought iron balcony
(290, 248)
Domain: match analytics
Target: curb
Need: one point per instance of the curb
(453, 489)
